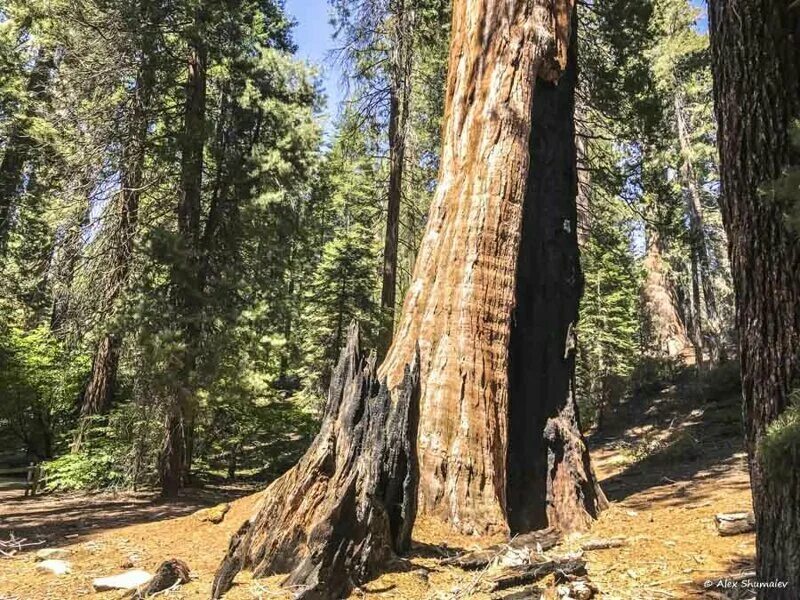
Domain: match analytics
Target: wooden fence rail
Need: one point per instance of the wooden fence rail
(31, 482)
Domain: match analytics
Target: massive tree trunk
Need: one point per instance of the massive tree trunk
(19, 144)
(349, 505)
(756, 65)
(179, 411)
(506, 60)
(399, 105)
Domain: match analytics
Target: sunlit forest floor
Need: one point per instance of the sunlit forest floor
(666, 465)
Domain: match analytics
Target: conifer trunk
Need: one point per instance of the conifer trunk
(497, 271)
(175, 457)
(98, 394)
(755, 48)
(347, 508)
(667, 330)
(399, 105)
(503, 56)
(703, 297)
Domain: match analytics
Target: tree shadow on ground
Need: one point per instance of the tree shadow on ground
(61, 519)
(668, 441)
(729, 583)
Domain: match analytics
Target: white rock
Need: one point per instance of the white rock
(52, 553)
(129, 580)
(54, 566)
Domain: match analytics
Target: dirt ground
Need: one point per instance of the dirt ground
(667, 469)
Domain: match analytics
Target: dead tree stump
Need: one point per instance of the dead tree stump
(349, 505)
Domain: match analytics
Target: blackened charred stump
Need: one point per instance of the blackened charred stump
(349, 505)
(550, 480)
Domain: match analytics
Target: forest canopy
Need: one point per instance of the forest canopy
(514, 223)
(206, 254)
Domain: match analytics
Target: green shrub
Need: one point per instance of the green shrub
(86, 470)
(780, 447)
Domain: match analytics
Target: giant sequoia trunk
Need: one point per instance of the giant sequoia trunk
(756, 64)
(667, 331)
(508, 150)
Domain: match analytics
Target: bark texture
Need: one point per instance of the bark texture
(755, 46)
(349, 505)
(550, 479)
(459, 304)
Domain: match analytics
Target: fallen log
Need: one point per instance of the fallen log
(535, 541)
(169, 573)
(735, 523)
(348, 506)
(527, 574)
(604, 544)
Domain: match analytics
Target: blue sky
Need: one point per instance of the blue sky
(313, 35)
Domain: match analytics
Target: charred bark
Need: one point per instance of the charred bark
(550, 479)
(755, 50)
(349, 505)
(463, 290)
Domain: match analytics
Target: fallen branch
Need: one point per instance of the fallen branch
(12, 545)
(527, 574)
(604, 544)
(535, 542)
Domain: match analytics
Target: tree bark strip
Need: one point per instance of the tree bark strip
(755, 49)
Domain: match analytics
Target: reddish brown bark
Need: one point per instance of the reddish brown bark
(463, 291)
(667, 329)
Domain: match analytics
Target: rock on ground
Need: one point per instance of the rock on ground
(129, 580)
(55, 566)
(52, 553)
(215, 514)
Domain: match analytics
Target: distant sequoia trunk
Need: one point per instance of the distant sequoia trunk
(485, 342)
(667, 329)
(755, 49)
